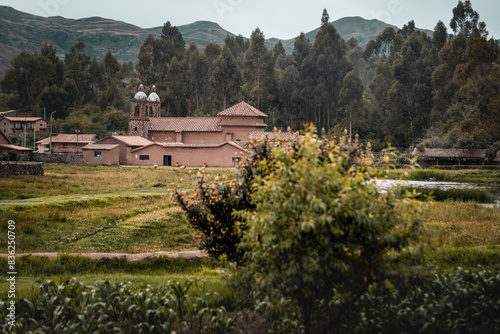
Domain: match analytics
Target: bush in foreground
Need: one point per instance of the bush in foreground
(322, 233)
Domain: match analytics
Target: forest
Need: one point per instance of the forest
(405, 88)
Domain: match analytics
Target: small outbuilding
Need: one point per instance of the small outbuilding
(101, 154)
(430, 157)
(66, 143)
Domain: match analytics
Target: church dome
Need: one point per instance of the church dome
(140, 95)
(153, 97)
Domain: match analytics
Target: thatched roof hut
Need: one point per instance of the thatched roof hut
(430, 157)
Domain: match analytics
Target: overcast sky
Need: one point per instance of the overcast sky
(281, 19)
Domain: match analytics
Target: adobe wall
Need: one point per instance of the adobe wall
(189, 157)
(122, 148)
(11, 168)
(70, 158)
(241, 120)
(108, 157)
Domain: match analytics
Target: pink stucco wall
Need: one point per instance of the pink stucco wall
(191, 157)
(108, 157)
(122, 147)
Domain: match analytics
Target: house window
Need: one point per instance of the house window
(144, 157)
(97, 154)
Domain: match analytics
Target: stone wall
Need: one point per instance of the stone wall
(11, 168)
(70, 158)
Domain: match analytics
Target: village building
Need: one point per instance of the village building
(125, 145)
(430, 157)
(6, 146)
(66, 143)
(101, 154)
(15, 124)
(182, 141)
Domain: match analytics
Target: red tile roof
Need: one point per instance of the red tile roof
(182, 145)
(242, 109)
(70, 138)
(15, 147)
(23, 119)
(131, 140)
(202, 124)
(104, 147)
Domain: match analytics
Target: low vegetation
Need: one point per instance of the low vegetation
(440, 195)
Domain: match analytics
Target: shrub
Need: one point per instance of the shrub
(210, 209)
(11, 155)
(321, 232)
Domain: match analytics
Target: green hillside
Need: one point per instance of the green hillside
(22, 31)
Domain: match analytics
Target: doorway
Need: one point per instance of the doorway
(167, 160)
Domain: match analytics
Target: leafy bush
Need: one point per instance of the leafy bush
(321, 232)
(458, 302)
(210, 209)
(11, 155)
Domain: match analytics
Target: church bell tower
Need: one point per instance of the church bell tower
(142, 108)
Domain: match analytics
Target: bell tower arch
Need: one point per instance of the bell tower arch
(142, 108)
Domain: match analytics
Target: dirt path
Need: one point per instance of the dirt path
(124, 256)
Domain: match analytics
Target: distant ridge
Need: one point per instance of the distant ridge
(22, 31)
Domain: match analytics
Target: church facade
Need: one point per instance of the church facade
(179, 141)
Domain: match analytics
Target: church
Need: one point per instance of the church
(178, 141)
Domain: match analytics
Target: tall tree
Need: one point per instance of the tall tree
(27, 78)
(301, 48)
(259, 67)
(172, 34)
(145, 63)
(478, 80)
(324, 69)
(410, 97)
(350, 99)
(112, 67)
(177, 89)
(440, 36)
(466, 20)
(444, 89)
(226, 77)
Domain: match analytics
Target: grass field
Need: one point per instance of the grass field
(72, 201)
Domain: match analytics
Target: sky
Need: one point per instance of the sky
(280, 19)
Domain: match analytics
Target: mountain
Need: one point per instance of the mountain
(22, 31)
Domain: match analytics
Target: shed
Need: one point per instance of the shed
(430, 157)
(101, 154)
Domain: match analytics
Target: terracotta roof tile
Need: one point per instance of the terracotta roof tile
(23, 119)
(104, 147)
(182, 145)
(242, 109)
(69, 138)
(15, 147)
(132, 140)
(205, 124)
